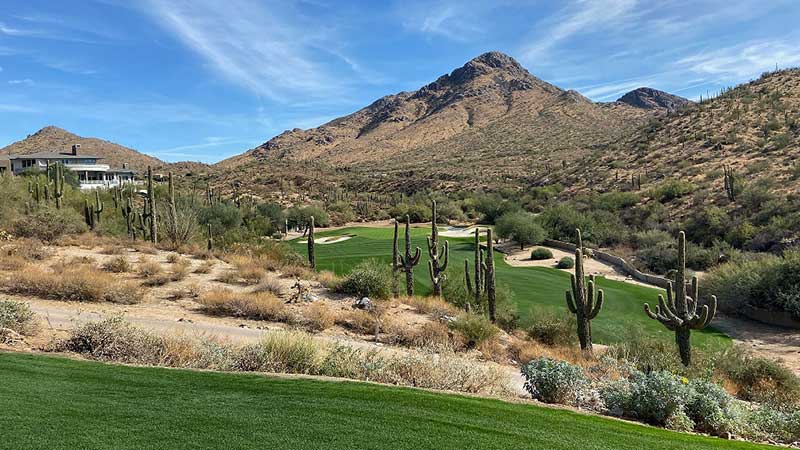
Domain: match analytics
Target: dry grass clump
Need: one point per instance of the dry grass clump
(251, 270)
(78, 283)
(204, 268)
(431, 335)
(295, 271)
(319, 316)
(228, 277)
(148, 268)
(360, 321)
(120, 264)
(16, 254)
(329, 279)
(435, 306)
(190, 291)
(259, 306)
(271, 285)
(286, 352)
(112, 250)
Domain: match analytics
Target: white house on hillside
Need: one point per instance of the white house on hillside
(91, 174)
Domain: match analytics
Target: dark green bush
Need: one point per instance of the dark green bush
(370, 278)
(551, 329)
(49, 224)
(671, 190)
(474, 328)
(566, 262)
(541, 253)
(521, 227)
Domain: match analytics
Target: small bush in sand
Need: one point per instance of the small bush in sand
(114, 339)
(18, 317)
(259, 306)
(205, 267)
(369, 278)
(272, 285)
(296, 271)
(360, 321)
(284, 352)
(320, 316)
(250, 270)
(74, 284)
(552, 329)
(566, 263)
(541, 253)
(118, 265)
(112, 250)
(435, 306)
(475, 329)
(228, 277)
(49, 224)
(149, 269)
(432, 335)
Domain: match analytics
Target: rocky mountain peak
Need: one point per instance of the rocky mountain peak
(649, 98)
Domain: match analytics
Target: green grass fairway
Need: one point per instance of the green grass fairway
(535, 288)
(55, 403)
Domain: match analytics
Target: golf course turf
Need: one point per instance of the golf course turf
(56, 403)
(535, 289)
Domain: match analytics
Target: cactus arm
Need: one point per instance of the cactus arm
(417, 255)
(598, 305)
(445, 256)
(467, 281)
(571, 303)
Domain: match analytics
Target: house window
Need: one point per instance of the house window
(27, 163)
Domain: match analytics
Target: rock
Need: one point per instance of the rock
(10, 337)
(309, 297)
(365, 303)
(448, 319)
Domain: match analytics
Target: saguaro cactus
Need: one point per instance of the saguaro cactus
(489, 276)
(150, 207)
(395, 262)
(173, 211)
(311, 259)
(583, 301)
(480, 267)
(679, 311)
(730, 182)
(409, 261)
(58, 185)
(210, 238)
(88, 213)
(98, 207)
(437, 263)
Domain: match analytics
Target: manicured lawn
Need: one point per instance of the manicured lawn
(55, 403)
(535, 289)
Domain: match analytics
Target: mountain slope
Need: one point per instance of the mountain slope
(490, 116)
(54, 139)
(649, 98)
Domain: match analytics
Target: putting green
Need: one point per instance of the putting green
(535, 289)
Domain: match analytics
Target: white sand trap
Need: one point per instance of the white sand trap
(332, 239)
(460, 231)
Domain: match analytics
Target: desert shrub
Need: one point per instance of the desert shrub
(178, 228)
(765, 423)
(671, 190)
(360, 321)
(759, 379)
(657, 396)
(320, 317)
(280, 352)
(17, 316)
(49, 224)
(598, 226)
(434, 306)
(541, 253)
(120, 264)
(258, 306)
(369, 278)
(455, 292)
(222, 216)
(74, 284)
(615, 201)
(329, 279)
(552, 329)
(250, 269)
(149, 269)
(113, 339)
(711, 408)
(271, 285)
(767, 282)
(521, 227)
(566, 263)
(475, 329)
(553, 381)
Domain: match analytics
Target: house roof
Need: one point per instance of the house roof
(53, 155)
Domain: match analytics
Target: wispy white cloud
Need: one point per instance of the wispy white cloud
(22, 82)
(579, 17)
(250, 44)
(744, 60)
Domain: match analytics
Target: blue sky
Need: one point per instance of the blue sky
(202, 80)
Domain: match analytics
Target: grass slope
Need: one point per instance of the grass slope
(535, 289)
(56, 403)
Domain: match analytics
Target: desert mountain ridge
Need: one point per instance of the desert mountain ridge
(649, 98)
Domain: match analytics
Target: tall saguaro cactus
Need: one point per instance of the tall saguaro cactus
(439, 258)
(480, 269)
(173, 211)
(679, 312)
(489, 276)
(151, 207)
(409, 261)
(730, 182)
(583, 301)
(395, 261)
(311, 258)
(58, 188)
(99, 207)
